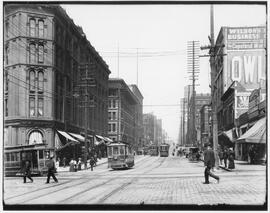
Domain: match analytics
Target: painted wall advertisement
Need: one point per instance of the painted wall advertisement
(246, 57)
(241, 103)
(243, 38)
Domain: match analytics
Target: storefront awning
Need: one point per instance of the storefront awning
(81, 138)
(256, 134)
(108, 139)
(100, 137)
(67, 136)
(225, 138)
(228, 134)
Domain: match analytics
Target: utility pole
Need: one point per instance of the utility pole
(137, 67)
(118, 60)
(193, 69)
(86, 81)
(184, 115)
(213, 74)
(188, 120)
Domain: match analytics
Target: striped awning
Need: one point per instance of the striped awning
(79, 137)
(100, 137)
(67, 136)
(256, 134)
(108, 139)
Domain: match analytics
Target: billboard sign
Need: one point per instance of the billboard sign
(240, 38)
(246, 56)
(247, 68)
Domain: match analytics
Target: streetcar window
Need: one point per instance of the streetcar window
(122, 151)
(40, 154)
(12, 157)
(115, 150)
(109, 151)
(18, 156)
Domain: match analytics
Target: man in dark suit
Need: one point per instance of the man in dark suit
(26, 170)
(51, 170)
(209, 162)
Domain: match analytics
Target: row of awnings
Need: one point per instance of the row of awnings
(73, 138)
(256, 134)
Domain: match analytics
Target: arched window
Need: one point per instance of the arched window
(35, 137)
(32, 53)
(40, 53)
(32, 81)
(32, 27)
(40, 81)
(41, 28)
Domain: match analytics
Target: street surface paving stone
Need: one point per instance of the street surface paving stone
(153, 180)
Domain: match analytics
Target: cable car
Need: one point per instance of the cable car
(120, 155)
(153, 150)
(164, 150)
(15, 158)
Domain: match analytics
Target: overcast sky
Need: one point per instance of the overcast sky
(160, 34)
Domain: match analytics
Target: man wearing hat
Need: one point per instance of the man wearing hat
(209, 162)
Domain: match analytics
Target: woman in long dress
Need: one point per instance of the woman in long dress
(231, 159)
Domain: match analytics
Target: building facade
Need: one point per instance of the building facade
(206, 126)
(45, 53)
(149, 128)
(138, 131)
(194, 130)
(240, 68)
(124, 112)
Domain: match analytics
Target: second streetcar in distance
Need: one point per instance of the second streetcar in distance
(164, 150)
(120, 156)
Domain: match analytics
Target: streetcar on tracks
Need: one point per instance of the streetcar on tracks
(37, 154)
(164, 150)
(120, 155)
(153, 150)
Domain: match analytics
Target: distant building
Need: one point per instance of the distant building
(195, 134)
(153, 132)
(138, 117)
(206, 128)
(124, 112)
(149, 129)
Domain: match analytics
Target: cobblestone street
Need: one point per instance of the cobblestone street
(153, 180)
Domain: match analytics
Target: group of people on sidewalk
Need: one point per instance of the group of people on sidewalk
(77, 166)
(227, 156)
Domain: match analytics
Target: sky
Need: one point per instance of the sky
(151, 41)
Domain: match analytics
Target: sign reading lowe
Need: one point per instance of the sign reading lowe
(247, 68)
(246, 56)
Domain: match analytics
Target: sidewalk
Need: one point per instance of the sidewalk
(99, 162)
(241, 166)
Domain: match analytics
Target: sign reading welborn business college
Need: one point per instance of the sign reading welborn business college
(246, 61)
(246, 56)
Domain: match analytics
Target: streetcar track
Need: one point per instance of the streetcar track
(104, 198)
(59, 184)
(45, 188)
(96, 186)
